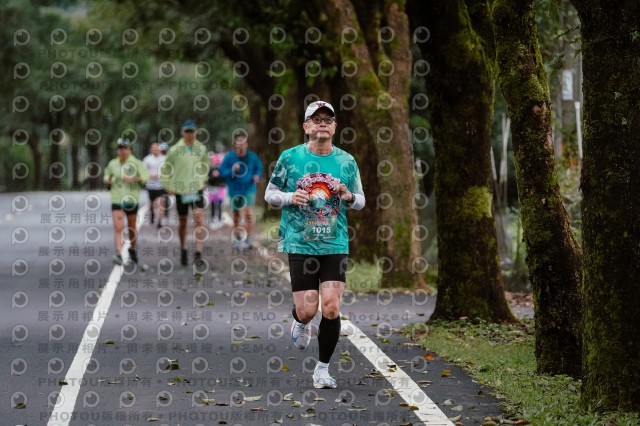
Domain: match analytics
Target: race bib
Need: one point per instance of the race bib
(320, 228)
(190, 198)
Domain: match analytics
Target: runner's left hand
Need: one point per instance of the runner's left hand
(344, 193)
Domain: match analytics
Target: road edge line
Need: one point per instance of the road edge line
(428, 411)
(66, 401)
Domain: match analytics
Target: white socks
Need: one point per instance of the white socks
(321, 365)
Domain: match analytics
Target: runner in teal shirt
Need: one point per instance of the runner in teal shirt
(315, 183)
(321, 226)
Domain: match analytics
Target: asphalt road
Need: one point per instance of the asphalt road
(186, 351)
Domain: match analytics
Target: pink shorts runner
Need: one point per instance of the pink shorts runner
(217, 193)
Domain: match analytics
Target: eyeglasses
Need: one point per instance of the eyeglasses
(189, 130)
(318, 120)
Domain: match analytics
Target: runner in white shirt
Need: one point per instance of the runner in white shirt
(153, 162)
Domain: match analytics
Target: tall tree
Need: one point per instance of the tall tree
(22, 77)
(375, 61)
(611, 206)
(553, 256)
(460, 86)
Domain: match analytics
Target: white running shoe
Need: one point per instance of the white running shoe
(322, 379)
(300, 334)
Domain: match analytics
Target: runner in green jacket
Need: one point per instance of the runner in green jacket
(184, 173)
(125, 175)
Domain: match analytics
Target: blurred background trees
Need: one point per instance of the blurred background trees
(419, 106)
(82, 74)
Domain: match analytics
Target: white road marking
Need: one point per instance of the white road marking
(427, 410)
(63, 411)
(409, 390)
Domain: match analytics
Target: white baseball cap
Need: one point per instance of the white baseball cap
(314, 106)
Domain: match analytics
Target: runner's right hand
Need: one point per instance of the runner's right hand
(300, 198)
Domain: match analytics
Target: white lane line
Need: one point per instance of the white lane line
(63, 411)
(428, 412)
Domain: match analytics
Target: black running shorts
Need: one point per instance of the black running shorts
(155, 193)
(309, 271)
(127, 208)
(183, 207)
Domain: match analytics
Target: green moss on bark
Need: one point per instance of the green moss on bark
(611, 206)
(553, 256)
(461, 92)
(476, 203)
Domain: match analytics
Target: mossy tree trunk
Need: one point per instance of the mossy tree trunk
(34, 145)
(366, 244)
(93, 170)
(460, 87)
(380, 80)
(554, 257)
(53, 181)
(611, 204)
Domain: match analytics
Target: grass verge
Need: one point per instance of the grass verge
(502, 357)
(363, 277)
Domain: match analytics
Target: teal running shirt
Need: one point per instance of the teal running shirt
(320, 227)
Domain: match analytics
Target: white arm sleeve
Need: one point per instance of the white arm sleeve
(274, 196)
(359, 202)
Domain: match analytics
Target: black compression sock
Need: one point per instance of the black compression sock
(295, 316)
(328, 335)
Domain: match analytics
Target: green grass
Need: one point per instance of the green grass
(502, 357)
(266, 226)
(363, 277)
